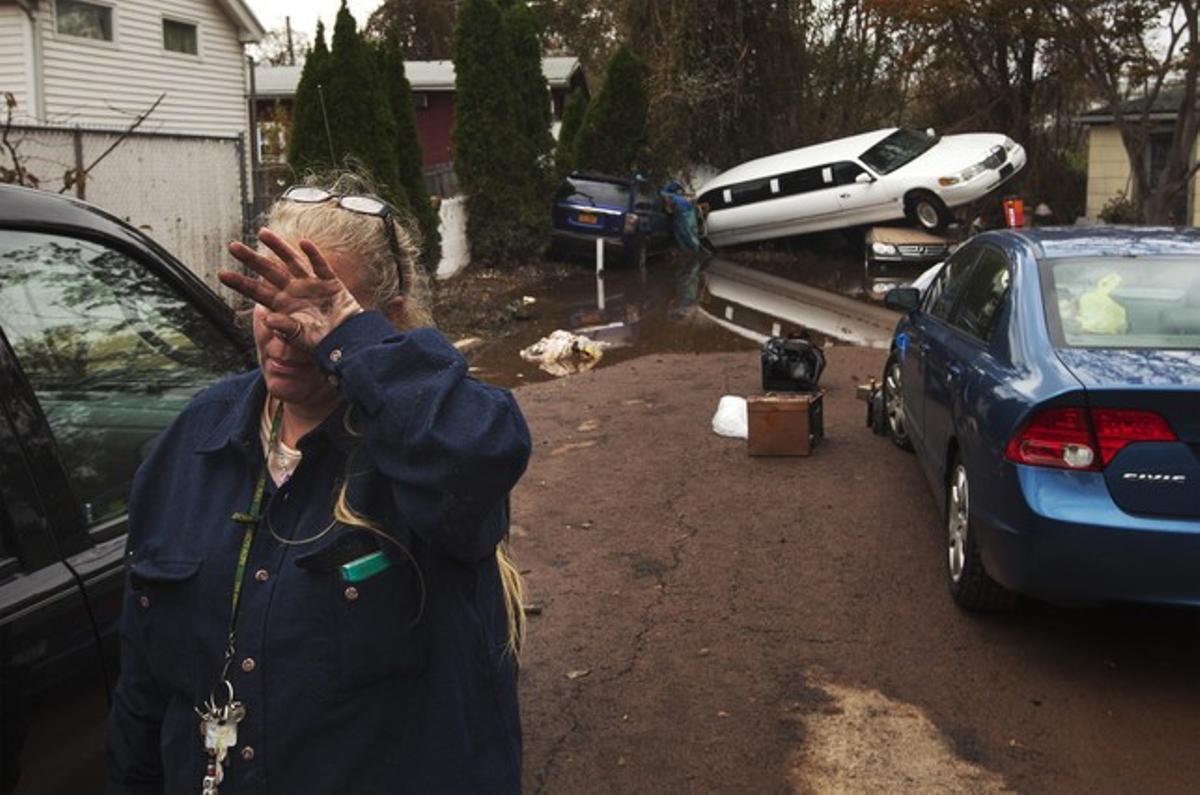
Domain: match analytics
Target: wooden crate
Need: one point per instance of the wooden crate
(784, 424)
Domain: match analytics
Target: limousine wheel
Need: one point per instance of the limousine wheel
(926, 210)
(970, 584)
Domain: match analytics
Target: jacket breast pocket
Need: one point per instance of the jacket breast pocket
(164, 598)
(380, 628)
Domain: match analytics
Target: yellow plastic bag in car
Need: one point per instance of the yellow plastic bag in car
(1098, 312)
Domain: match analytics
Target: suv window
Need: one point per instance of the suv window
(595, 194)
(939, 300)
(983, 294)
(111, 351)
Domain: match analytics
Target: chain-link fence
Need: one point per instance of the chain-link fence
(189, 193)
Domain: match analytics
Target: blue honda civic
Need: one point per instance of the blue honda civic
(1049, 382)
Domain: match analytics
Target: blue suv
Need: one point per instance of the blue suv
(626, 213)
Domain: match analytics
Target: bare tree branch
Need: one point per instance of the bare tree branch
(74, 176)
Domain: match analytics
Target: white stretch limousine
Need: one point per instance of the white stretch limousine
(870, 178)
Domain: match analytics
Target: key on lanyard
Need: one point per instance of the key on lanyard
(219, 729)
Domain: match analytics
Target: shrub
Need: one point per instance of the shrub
(613, 135)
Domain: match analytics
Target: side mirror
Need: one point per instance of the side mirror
(903, 299)
(864, 179)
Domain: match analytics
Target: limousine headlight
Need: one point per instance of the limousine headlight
(965, 175)
(884, 249)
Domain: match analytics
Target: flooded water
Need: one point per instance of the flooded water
(683, 304)
(655, 311)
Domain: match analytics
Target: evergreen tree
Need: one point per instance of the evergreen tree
(574, 110)
(529, 86)
(505, 224)
(360, 115)
(612, 138)
(390, 62)
(309, 148)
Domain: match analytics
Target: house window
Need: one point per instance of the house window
(87, 20)
(179, 37)
(420, 100)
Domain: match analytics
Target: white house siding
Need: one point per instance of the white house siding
(1108, 168)
(85, 79)
(15, 74)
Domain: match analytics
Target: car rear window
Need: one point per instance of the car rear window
(1126, 302)
(596, 194)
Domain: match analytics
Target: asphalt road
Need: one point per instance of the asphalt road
(712, 622)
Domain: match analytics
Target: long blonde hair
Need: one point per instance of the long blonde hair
(334, 229)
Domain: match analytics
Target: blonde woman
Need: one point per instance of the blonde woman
(318, 598)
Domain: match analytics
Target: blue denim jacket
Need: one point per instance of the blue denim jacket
(399, 682)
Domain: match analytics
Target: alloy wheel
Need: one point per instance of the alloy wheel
(928, 215)
(893, 403)
(957, 521)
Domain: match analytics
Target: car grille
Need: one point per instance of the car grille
(996, 158)
(922, 251)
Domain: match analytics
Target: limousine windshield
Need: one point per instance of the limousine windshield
(898, 149)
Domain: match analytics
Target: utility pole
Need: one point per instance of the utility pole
(287, 21)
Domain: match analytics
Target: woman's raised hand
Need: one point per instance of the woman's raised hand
(304, 298)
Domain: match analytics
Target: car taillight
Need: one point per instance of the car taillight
(1116, 428)
(1058, 437)
(631, 220)
(1076, 438)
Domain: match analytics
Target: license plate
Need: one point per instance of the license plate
(587, 218)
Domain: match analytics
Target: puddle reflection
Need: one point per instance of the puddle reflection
(646, 311)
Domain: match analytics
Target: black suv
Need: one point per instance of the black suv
(104, 336)
(626, 213)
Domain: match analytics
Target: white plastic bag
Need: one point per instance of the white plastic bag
(563, 353)
(730, 419)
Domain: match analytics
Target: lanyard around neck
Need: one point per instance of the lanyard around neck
(250, 519)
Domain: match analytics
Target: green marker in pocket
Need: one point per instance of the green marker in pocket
(365, 567)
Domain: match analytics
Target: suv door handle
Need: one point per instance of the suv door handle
(843, 195)
(954, 371)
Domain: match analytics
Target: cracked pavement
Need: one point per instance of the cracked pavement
(782, 625)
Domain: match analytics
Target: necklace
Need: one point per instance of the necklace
(296, 542)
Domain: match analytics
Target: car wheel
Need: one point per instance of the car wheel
(926, 211)
(970, 584)
(893, 405)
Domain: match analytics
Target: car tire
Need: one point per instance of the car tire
(970, 585)
(893, 405)
(926, 211)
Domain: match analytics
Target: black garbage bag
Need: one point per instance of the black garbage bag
(791, 364)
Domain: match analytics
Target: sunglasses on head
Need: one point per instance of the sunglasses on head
(355, 203)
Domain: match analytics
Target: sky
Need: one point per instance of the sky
(304, 13)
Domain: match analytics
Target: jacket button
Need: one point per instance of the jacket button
(262, 575)
(335, 355)
(247, 753)
(248, 664)
(144, 601)
(351, 594)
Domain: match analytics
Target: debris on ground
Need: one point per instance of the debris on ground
(730, 419)
(579, 674)
(564, 353)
